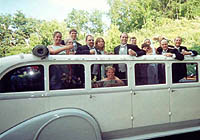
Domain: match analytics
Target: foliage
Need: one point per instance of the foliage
(130, 15)
(15, 30)
(45, 30)
(112, 38)
(85, 22)
(140, 18)
(196, 47)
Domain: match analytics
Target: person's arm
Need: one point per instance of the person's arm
(178, 55)
(119, 82)
(83, 50)
(64, 48)
(136, 49)
(190, 52)
(116, 50)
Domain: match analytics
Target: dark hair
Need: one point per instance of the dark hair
(147, 39)
(133, 37)
(73, 30)
(87, 37)
(145, 45)
(56, 32)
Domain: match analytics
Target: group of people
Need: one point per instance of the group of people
(97, 47)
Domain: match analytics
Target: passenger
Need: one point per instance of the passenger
(124, 49)
(100, 46)
(111, 79)
(88, 48)
(183, 49)
(159, 39)
(169, 52)
(172, 52)
(150, 69)
(150, 43)
(73, 35)
(57, 47)
(98, 70)
(69, 42)
(182, 71)
(147, 48)
(133, 40)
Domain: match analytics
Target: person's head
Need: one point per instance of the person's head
(57, 37)
(100, 43)
(124, 38)
(73, 34)
(178, 41)
(147, 41)
(110, 72)
(133, 40)
(159, 38)
(89, 40)
(69, 41)
(164, 44)
(146, 46)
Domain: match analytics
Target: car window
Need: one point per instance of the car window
(150, 73)
(26, 78)
(184, 72)
(66, 76)
(108, 75)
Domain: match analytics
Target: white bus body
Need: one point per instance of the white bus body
(137, 110)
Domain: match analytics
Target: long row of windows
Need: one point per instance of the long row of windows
(72, 76)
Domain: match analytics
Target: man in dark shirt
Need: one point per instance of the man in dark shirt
(73, 35)
(168, 51)
(183, 49)
(88, 48)
(177, 72)
(124, 49)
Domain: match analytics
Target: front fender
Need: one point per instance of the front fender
(59, 124)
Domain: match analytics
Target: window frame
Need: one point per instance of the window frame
(152, 86)
(24, 93)
(186, 84)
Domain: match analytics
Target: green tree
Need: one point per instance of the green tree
(112, 38)
(129, 15)
(95, 23)
(85, 22)
(45, 30)
(5, 34)
(15, 31)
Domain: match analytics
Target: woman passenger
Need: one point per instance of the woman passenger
(150, 69)
(111, 79)
(100, 46)
(98, 70)
(57, 47)
(69, 42)
(149, 42)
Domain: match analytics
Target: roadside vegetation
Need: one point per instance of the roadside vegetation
(139, 18)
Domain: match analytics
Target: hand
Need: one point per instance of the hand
(186, 53)
(168, 54)
(131, 52)
(68, 47)
(92, 51)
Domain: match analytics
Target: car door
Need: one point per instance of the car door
(185, 95)
(150, 96)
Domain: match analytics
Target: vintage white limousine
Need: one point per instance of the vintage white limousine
(63, 97)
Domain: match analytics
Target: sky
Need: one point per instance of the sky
(50, 9)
